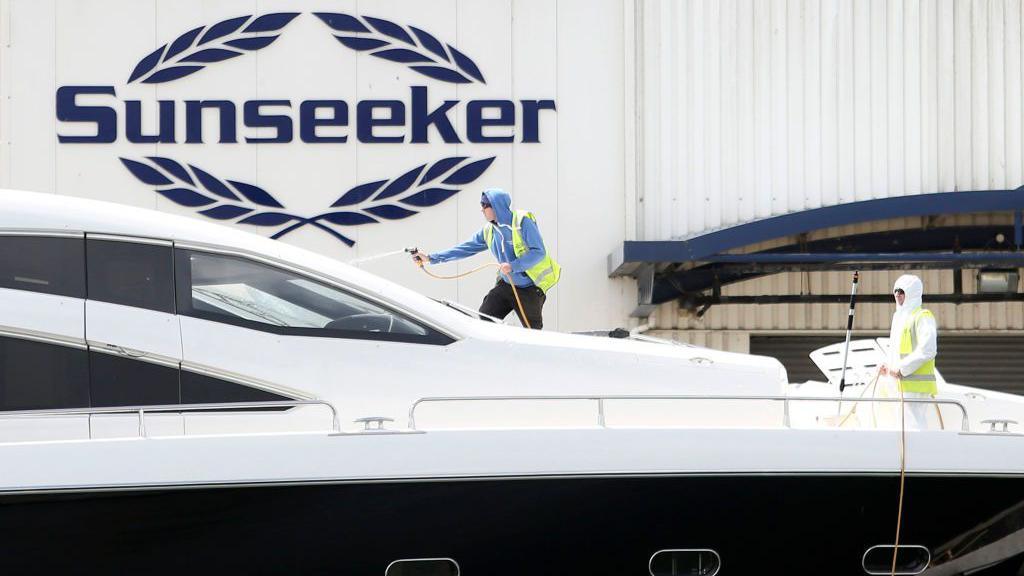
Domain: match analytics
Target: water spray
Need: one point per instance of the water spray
(358, 261)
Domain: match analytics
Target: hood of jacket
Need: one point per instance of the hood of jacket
(502, 204)
(914, 290)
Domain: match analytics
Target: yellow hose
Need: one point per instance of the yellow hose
(857, 404)
(903, 461)
(903, 473)
(522, 312)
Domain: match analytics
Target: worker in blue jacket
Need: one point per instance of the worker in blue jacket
(515, 241)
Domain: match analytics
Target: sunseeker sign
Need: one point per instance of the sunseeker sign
(408, 119)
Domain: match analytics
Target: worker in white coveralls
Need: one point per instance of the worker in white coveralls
(912, 348)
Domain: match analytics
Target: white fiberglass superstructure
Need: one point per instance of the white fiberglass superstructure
(257, 312)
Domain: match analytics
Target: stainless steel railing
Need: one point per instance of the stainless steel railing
(600, 400)
(141, 411)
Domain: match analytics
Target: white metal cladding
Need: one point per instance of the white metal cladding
(756, 108)
(577, 52)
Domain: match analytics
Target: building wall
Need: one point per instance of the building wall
(753, 109)
(576, 52)
(757, 108)
(674, 118)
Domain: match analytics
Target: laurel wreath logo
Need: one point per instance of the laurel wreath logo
(221, 41)
(369, 203)
(229, 200)
(385, 39)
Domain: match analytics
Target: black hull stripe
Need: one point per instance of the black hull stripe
(611, 525)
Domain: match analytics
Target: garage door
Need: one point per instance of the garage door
(992, 362)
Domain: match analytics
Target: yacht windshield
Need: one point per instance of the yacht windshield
(233, 287)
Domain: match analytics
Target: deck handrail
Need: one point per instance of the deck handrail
(142, 410)
(601, 398)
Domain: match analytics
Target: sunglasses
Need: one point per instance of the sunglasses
(484, 205)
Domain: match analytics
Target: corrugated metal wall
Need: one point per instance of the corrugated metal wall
(753, 108)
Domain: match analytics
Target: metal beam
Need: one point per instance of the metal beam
(695, 301)
(918, 248)
(732, 237)
(966, 259)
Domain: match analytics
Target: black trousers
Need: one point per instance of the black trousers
(500, 301)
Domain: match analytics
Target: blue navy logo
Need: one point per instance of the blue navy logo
(222, 41)
(243, 203)
(369, 203)
(390, 41)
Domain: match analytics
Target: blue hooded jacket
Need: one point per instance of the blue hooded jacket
(502, 251)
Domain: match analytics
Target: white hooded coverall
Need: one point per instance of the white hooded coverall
(926, 348)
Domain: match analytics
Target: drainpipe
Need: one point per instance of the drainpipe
(1018, 229)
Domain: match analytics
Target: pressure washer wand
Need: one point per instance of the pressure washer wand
(849, 330)
(414, 251)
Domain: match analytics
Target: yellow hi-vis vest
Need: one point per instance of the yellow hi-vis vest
(545, 273)
(923, 379)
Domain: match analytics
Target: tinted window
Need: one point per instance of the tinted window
(202, 389)
(34, 375)
(247, 293)
(139, 275)
(120, 381)
(47, 265)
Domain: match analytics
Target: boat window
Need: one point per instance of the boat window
(423, 567)
(910, 559)
(240, 291)
(201, 389)
(688, 562)
(45, 376)
(122, 381)
(38, 375)
(131, 274)
(43, 264)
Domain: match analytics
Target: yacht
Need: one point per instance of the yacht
(179, 397)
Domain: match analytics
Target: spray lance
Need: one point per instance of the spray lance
(413, 251)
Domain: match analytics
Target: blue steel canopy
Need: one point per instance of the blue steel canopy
(709, 264)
